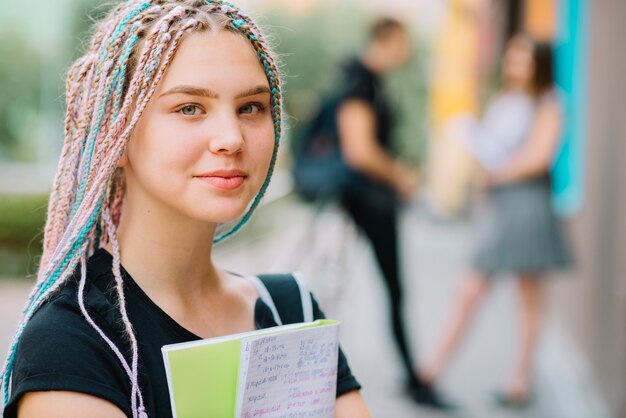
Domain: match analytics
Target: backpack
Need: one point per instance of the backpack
(319, 171)
(287, 297)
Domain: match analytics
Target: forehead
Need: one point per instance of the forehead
(219, 59)
(399, 37)
(520, 45)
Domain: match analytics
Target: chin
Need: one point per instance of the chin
(221, 213)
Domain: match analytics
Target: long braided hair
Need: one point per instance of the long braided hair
(107, 90)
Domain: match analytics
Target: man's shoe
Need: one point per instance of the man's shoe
(426, 395)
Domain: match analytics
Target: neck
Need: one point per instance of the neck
(168, 255)
(519, 87)
(372, 60)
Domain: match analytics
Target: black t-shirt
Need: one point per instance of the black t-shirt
(59, 350)
(361, 83)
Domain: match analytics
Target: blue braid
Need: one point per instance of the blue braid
(275, 98)
(117, 83)
(37, 300)
(74, 248)
(255, 203)
(117, 86)
(130, 16)
(120, 75)
(103, 56)
(91, 144)
(104, 53)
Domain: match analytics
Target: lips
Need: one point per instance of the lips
(224, 179)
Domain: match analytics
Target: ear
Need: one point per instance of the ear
(123, 162)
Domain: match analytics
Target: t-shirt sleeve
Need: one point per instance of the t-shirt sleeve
(357, 87)
(59, 351)
(346, 382)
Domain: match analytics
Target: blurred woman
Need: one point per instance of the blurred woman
(515, 143)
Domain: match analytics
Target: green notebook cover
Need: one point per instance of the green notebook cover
(202, 375)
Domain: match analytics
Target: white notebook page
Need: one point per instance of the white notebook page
(289, 375)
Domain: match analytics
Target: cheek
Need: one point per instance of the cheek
(261, 148)
(164, 144)
(513, 68)
(529, 69)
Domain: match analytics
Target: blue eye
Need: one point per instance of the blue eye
(189, 110)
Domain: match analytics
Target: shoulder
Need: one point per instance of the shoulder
(550, 99)
(552, 95)
(359, 82)
(241, 286)
(59, 340)
(549, 107)
(354, 66)
(60, 350)
(60, 319)
(288, 298)
(61, 313)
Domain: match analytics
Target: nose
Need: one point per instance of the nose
(227, 137)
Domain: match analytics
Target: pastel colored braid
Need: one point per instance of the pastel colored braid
(106, 92)
(245, 25)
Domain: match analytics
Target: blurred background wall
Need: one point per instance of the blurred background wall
(595, 309)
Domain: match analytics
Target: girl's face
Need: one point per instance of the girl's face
(203, 145)
(518, 66)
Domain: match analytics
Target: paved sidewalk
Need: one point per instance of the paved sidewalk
(13, 294)
(341, 271)
(340, 268)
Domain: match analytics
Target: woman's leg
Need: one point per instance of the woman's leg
(531, 303)
(470, 293)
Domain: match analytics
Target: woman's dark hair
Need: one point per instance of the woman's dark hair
(543, 59)
(543, 56)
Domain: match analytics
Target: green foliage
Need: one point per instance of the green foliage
(20, 85)
(22, 220)
(410, 97)
(32, 79)
(83, 15)
(312, 50)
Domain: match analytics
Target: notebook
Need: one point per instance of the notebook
(284, 371)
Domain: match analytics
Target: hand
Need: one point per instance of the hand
(494, 178)
(405, 181)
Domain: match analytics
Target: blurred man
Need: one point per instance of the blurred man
(379, 182)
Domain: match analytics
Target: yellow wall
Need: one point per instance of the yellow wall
(540, 18)
(454, 80)
(453, 90)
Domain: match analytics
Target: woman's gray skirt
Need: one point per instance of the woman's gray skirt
(518, 232)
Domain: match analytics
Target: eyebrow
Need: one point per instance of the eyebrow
(203, 92)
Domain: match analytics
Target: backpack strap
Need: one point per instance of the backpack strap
(305, 297)
(287, 296)
(266, 297)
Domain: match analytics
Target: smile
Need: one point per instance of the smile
(224, 179)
